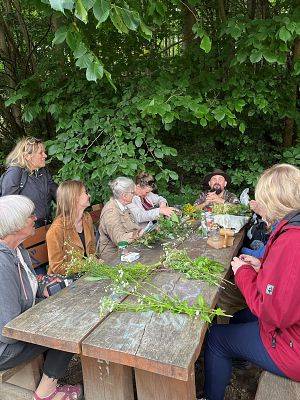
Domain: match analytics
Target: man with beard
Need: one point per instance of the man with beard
(217, 194)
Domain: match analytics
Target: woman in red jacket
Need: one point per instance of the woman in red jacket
(268, 332)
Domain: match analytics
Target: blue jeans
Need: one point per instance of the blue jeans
(238, 340)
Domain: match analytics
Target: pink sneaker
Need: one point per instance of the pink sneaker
(70, 393)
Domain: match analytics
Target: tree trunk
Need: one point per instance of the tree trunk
(289, 136)
(188, 22)
(251, 6)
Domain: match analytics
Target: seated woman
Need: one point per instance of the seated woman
(18, 292)
(116, 222)
(72, 229)
(147, 206)
(267, 333)
(26, 174)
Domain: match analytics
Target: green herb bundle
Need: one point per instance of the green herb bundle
(201, 268)
(160, 304)
(231, 209)
(123, 274)
(192, 211)
(168, 229)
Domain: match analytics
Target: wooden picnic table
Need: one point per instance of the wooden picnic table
(161, 348)
(62, 321)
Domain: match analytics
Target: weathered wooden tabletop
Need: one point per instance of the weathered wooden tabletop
(165, 344)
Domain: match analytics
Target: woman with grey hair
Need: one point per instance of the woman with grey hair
(116, 222)
(26, 174)
(18, 292)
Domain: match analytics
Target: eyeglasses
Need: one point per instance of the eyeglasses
(34, 140)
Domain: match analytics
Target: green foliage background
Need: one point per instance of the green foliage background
(177, 88)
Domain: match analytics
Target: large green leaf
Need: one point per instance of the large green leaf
(284, 34)
(145, 30)
(117, 20)
(84, 61)
(256, 56)
(205, 44)
(80, 51)
(101, 10)
(72, 39)
(57, 5)
(94, 71)
(80, 11)
(88, 4)
(60, 35)
(130, 18)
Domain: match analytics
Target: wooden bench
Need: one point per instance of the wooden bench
(20, 382)
(273, 387)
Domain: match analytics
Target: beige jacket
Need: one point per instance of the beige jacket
(61, 239)
(115, 226)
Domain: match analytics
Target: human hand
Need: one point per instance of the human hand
(167, 211)
(253, 261)
(256, 207)
(236, 263)
(212, 197)
(55, 280)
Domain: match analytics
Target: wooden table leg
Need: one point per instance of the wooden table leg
(152, 386)
(106, 380)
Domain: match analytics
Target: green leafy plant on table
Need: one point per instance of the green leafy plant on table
(168, 229)
(192, 211)
(201, 268)
(127, 279)
(231, 209)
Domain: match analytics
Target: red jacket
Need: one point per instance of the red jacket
(273, 295)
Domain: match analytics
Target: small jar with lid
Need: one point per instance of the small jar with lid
(122, 248)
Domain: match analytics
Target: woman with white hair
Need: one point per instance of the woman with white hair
(26, 174)
(267, 333)
(18, 292)
(116, 222)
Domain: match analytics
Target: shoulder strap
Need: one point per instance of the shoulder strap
(23, 180)
(1, 179)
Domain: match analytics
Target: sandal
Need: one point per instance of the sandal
(70, 393)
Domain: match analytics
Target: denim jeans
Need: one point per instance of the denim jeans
(56, 361)
(238, 340)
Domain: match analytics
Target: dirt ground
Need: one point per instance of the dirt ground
(242, 387)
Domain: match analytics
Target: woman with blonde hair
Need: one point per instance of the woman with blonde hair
(267, 332)
(26, 174)
(72, 229)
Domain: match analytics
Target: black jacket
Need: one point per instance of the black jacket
(39, 187)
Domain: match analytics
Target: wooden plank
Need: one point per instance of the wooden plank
(158, 387)
(12, 392)
(38, 237)
(63, 320)
(30, 375)
(165, 344)
(274, 387)
(106, 381)
(38, 255)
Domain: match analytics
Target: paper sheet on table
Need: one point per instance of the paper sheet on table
(235, 222)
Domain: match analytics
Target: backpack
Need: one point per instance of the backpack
(23, 180)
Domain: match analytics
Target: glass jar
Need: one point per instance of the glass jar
(122, 248)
